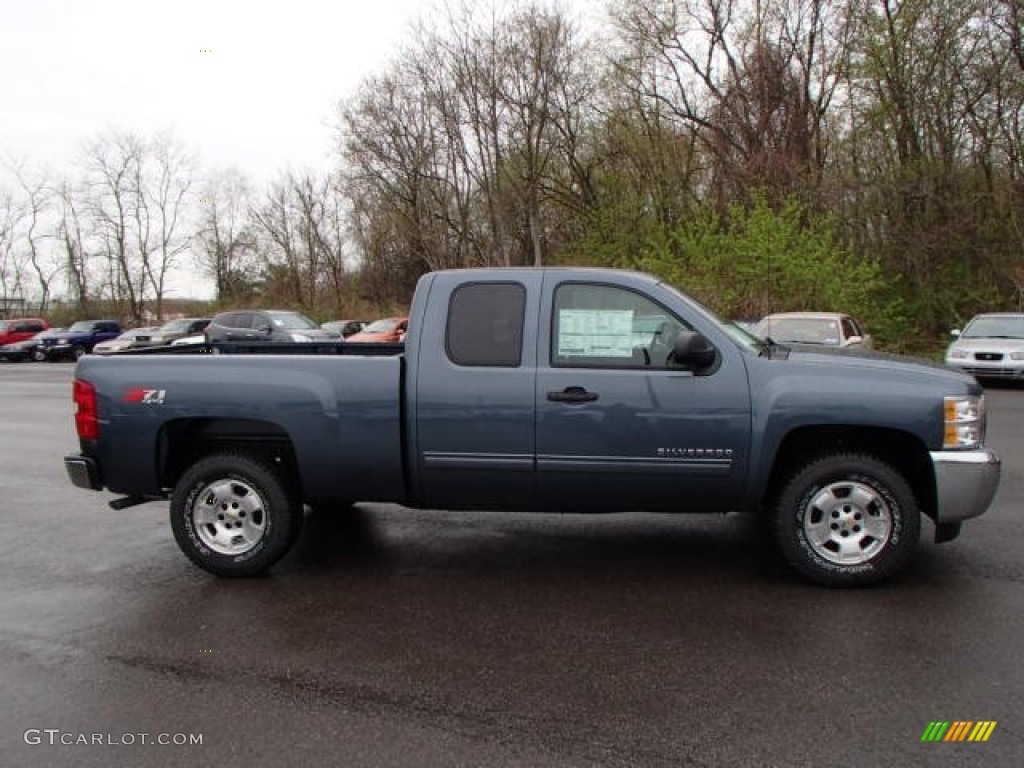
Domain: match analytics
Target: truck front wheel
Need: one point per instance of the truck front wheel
(846, 520)
(233, 515)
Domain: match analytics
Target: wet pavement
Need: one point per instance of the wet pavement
(393, 637)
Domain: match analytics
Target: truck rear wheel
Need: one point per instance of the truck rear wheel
(234, 515)
(847, 520)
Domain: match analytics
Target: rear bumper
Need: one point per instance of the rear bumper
(965, 483)
(83, 472)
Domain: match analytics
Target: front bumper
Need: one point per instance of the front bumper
(984, 369)
(83, 472)
(965, 482)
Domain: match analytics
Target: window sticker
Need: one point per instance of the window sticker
(595, 333)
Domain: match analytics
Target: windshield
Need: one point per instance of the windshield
(802, 330)
(292, 321)
(176, 326)
(737, 334)
(383, 326)
(82, 326)
(1010, 327)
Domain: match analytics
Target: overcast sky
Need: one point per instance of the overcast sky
(248, 83)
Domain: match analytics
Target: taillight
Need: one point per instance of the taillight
(87, 416)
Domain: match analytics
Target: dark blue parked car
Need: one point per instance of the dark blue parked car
(79, 339)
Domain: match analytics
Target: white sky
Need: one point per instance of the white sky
(262, 99)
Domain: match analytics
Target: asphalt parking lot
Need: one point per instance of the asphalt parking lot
(392, 637)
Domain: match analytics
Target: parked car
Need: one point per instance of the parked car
(388, 329)
(20, 329)
(265, 325)
(991, 346)
(136, 337)
(175, 329)
(344, 328)
(833, 329)
(29, 349)
(197, 339)
(79, 339)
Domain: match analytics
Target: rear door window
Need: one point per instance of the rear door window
(485, 325)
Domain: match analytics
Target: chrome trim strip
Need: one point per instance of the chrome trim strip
(511, 461)
(633, 465)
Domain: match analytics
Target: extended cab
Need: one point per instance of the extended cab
(555, 389)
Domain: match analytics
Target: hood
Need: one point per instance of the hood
(313, 333)
(67, 335)
(861, 359)
(988, 344)
(25, 344)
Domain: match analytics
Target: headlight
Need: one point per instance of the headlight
(1018, 355)
(957, 353)
(964, 422)
(300, 337)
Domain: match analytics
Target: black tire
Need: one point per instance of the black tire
(847, 520)
(234, 515)
(38, 355)
(78, 352)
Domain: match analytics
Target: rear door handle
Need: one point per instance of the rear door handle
(573, 395)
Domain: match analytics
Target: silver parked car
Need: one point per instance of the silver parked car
(991, 346)
(131, 339)
(832, 329)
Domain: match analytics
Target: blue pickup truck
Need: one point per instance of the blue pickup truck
(575, 390)
(79, 339)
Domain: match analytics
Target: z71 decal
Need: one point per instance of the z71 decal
(145, 396)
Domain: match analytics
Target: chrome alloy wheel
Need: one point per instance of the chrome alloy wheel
(229, 516)
(847, 522)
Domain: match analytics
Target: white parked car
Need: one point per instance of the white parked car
(132, 339)
(991, 346)
(200, 339)
(832, 329)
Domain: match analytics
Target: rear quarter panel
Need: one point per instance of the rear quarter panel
(341, 414)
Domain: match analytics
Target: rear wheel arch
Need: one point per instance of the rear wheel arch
(183, 442)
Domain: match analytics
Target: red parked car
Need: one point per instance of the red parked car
(20, 329)
(388, 329)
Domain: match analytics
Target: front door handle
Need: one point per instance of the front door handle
(572, 395)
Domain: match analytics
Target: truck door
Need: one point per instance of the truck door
(473, 408)
(621, 427)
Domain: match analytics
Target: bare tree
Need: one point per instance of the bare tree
(753, 82)
(301, 222)
(226, 236)
(10, 267)
(73, 245)
(30, 229)
(136, 200)
(112, 162)
(162, 185)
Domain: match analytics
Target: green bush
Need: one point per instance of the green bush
(758, 259)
